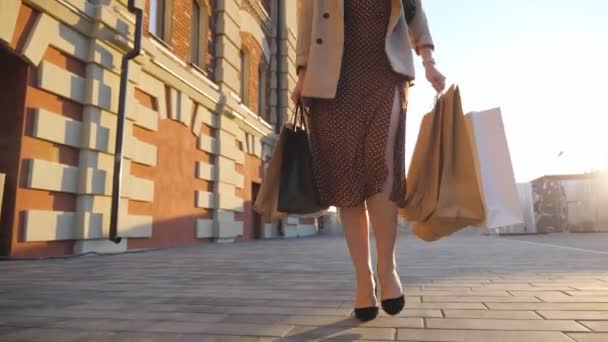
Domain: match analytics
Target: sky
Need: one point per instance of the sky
(543, 62)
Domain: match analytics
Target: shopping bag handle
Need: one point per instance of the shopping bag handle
(298, 120)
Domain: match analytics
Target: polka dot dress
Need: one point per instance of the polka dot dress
(349, 133)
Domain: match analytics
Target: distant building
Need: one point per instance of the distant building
(577, 203)
(205, 101)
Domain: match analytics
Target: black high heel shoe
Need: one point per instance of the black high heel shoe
(368, 313)
(393, 306)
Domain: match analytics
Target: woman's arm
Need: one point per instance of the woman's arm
(420, 34)
(304, 33)
(422, 41)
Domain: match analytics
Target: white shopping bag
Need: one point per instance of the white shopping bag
(494, 169)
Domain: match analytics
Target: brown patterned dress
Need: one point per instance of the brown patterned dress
(349, 133)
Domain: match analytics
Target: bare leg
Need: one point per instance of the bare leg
(383, 214)
(356, 231)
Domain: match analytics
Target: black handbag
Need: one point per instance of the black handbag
(409, 9)
(298, 193)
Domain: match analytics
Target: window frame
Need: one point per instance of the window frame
(160, 19)
(200, 30)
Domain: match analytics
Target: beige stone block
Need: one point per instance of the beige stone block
(199, 113)
(99, 129)
(96, 170)
(228, 49)
(94, 203)
(113, 19)
(205, 200)
(46, 175)
(489, 314)
(40, 37)
(102, 88)
(135, 71)
(9, 11)
(156, 88)
(141, 189)
(89, 225)
(70, 41)
(229, 74)
(185, 110)
(174, 101)
(97, 160)
(48, 225)
(57, 128)
(135, 226)
(146, 118)
(504, 324)
(229, 201)
(143, 153)
(257, 147)
(103, 54)
(204, 229)
(589, 337)
(226, 226)
(208, 144)
(228, 26)
(94, 181)
(229, 125)
(181, 107)
(574, 315)
(230, 6)
(64, 37)
(293, 220)
(228, 148)
(227, 172)
(61, 82)
(205, 171)
(445, 335)
(125, 191)
(93, 216)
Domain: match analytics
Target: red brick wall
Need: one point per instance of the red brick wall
(173, 209)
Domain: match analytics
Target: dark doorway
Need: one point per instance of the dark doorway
(256, 218)
(13, 79)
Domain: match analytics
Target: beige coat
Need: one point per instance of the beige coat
(321, 41)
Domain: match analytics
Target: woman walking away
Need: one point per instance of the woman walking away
(355, 63)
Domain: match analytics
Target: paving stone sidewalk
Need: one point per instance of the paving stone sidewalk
(463, 288)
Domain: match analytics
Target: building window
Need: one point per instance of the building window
(262, 107)
(200, 24)
(244, 93)
(160, 19)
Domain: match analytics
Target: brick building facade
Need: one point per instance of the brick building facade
(205, 100)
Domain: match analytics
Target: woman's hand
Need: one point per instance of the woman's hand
(435, 77)
(296, 94)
